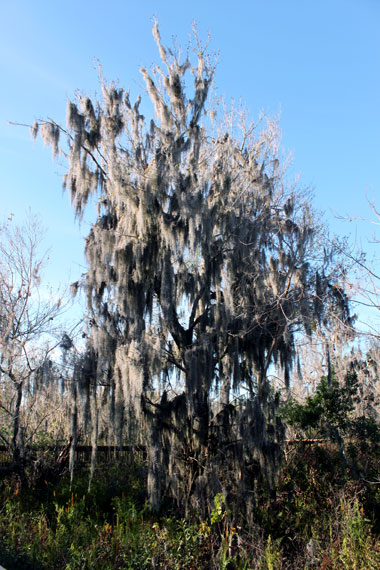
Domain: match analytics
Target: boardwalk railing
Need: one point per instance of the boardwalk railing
(108, 453)
(104, 453)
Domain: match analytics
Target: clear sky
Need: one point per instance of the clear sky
(315, 61)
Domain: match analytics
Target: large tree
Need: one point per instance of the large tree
(202, 267)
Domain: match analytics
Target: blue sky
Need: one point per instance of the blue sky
(317, 62)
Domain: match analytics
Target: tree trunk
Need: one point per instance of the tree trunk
(17, 447)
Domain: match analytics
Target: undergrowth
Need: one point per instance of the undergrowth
(320, 519)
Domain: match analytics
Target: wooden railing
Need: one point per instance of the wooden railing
(107, 453)
(104, 453)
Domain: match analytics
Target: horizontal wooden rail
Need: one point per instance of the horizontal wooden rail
(82, 452)
(109, 452)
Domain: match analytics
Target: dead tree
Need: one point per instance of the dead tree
(26, 320)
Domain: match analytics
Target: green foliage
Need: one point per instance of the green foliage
(352, 545)
(272, 554)
(331, 408)
(329, 405)
(218, 513)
